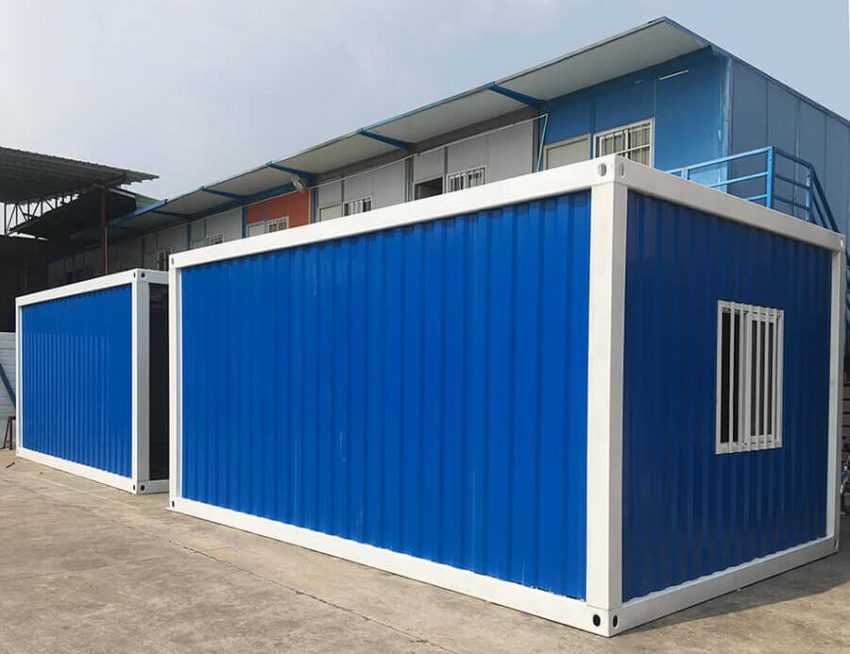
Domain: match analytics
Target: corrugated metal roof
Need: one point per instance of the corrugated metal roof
(649, 44)
(29, 176)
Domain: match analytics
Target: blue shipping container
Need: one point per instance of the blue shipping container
(89, 393)
(598, 393)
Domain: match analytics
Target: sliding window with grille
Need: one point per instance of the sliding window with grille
(749, 377)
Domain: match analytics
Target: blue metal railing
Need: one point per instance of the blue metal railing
(774, 178)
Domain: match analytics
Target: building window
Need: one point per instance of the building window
(749, 377)
(267, 226)
(329, 212)
(632, 141)
(214, 239)
(568, 152)
(278, 224)
(162, 258)
(359, 205)
(428, 188)
(465, 179)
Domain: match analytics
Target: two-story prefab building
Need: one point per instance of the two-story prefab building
(659, 94)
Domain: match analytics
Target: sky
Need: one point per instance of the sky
(197, 91)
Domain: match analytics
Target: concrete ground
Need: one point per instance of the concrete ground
(85, 568)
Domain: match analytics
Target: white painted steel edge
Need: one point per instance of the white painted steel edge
(141, 381)
(78, 469)
(19, 373)
(557, 608)
(565, 179)
(606, 318)
(656, 605)
(674, 189)
(557, 181)
(175, 383)
(152, 486)
(95, 474)
(836, 389)
(91, 285)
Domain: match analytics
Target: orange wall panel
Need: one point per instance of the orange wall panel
(295, 205)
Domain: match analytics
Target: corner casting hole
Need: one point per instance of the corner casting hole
(615, 622)
(596, 621)
(172, 504)
(602, 170)
(134, 486)
(142, 487)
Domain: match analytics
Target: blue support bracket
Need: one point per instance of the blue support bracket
(224, 194)
(308, 177)
(516, 95)
(396, 143)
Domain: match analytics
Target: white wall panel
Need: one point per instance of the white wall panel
(506, 153)
(429, 165)
(330, 194)
(227, 223)
(386, 186)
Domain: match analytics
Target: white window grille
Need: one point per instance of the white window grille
(256, 228)
(214, 239)
(749, 377)
(278, 224)
(633, 141)
(360, 205)
(465, 179)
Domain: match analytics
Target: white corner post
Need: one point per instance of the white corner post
(19, 373)
(836, 393)
(605, 397)
(141, 380)
(175, 357)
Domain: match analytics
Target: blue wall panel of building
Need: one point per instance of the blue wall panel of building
(421, 389)
(688, 109)
(687, 511)
(76, 363)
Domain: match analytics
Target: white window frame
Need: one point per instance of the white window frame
(625, 128)
(214, 239)
(464, 174)
(279, 224)
(575, 139)
(763, 439)
(355, 202)
(321, 209)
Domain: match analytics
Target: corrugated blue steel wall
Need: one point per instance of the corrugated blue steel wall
(77, 379)
(687, 511)
(421, 389)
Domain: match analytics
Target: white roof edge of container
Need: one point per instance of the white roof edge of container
(122, 278)
(532, 186)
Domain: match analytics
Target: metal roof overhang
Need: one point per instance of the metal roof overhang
(647, 45)
(79, 219)
(31, 177)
